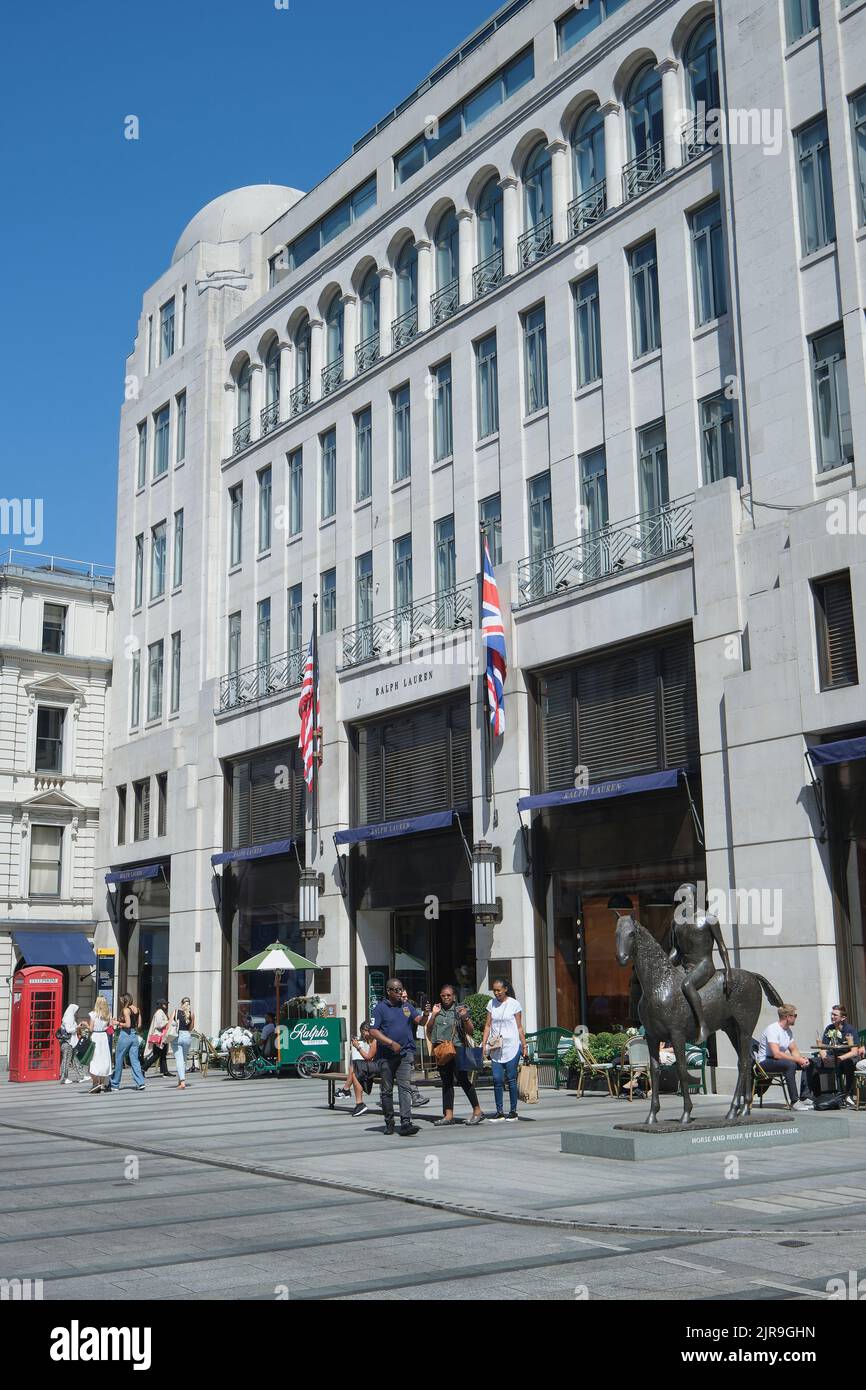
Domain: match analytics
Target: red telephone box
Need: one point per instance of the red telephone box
(37, 1008)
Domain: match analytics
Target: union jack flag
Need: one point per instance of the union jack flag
(493, 639)
(309, 710)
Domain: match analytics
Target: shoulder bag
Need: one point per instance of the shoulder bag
(469, 1056)
(445, 1051)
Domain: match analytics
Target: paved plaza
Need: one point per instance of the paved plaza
(256, 1190)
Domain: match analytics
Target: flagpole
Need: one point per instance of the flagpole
(487, 750)
(316, 734)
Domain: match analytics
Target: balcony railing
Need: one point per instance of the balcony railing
(445, 302)
(299, 398)
(270, 416)
(534, 245)
(266, 678)
(637, 541)
(332, 377)
(405, 328)
(241, 436)
(643, 172)
(390, 634)
(65, 569)
(588, 208)
(488, 274)
(367, 353)
(694, 140)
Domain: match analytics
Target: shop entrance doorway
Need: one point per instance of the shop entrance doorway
(427, 953)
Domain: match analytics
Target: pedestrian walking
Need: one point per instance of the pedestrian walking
(156, 1043)
(448, 1028)
(417, 1098)
(504, 1042)
(100, 1062)
(128, 1042)
(68, 1045)
(184, 1022)
(393, 1027)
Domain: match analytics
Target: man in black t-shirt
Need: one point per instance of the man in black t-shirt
(840, 1031)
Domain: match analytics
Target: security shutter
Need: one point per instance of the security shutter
(680, 706)
(420, 763)
(267, 797)
(461, 757)
(837, 649)
(560, 757)
(370, 784)
(618, 723)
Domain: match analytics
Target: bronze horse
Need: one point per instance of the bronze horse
(665, 1013)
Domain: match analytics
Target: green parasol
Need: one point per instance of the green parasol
(278, 958)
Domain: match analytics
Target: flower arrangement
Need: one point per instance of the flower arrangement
(834, 1035)
(232, 1037)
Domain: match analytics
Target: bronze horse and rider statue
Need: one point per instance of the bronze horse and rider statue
(684, 999)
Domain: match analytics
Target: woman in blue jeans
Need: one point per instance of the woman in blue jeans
(504, 1042)
(128, 1042)
(184, 1020)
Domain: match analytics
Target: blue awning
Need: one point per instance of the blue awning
(845, 750)
(54, 947)
(385, 830)
(239, 856)
(600, 791)
(130, 875)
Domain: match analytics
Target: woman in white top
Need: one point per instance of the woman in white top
(504, 1042)
(69, 1024)
(100, 1062)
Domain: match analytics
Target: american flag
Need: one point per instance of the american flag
(493, 639)
(308, 709)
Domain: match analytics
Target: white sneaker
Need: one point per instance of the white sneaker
(804, 1105)
(67, 1082)
(849, 1100)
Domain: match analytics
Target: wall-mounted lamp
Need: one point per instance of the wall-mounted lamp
(312, 925)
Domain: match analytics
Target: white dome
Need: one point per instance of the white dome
(234, 215)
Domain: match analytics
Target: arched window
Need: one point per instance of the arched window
(302, 352)
(645, 124)
(272, 374)
(537, 187)
(334, 331)
(369, 297)
(447, 250)
(590, 189)
(244, 378)
(702, 66)
(489, 213)
(407, 279)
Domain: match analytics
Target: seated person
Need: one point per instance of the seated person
(839, 1030)
(667, 1057)
(363, 1068)
(268, 1037)
(778, 1054)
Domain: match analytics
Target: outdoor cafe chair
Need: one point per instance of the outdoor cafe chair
(588, 1066)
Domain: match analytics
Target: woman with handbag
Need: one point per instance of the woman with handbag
(68, 1037)
(180, 1037)
(156, 1046)
(100, 1061)
(504, 1042)
(449, 1032)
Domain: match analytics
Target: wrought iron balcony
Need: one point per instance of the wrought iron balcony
(599, 554)
(535, 244)
(274, 677)
(405, 328)
(694, 140)
(643, 172)
(367, 353)
(299, 398)
(445, 302)
(332, 377)
(394, 633)
(270, 416)
(241, 436)
(488, 274)
(588, 208)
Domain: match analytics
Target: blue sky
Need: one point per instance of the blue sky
(228, 92)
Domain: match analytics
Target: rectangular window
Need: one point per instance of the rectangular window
(142, 454)
(157, 560)
(236, 524)
(177, 565)
(656, 535)
(54, 628)
(296, 492)
(446, 558)
(135, 691)
(364, 588)
(162, 430)
(443, 429)
(49, 739)
(46, 842)
(858, 117)
(490, 522)
(540, 516)
(264, 483)
(587, 330)
(535, 359)
(180, 428)
(834, 621)
(363, 454)
(161, 802)
(328, 445)
(182, 338)
(166, 331)
(121, 815)
(801, 16)
(263, 631)
(149, 365)
(581, 20)
(138, 572)
(234, 661)
(718, 440)
(815, 182)
(331, 225)
(646, 329)
(832, 404)
(141, 809)
(708, 249)
(155, 662)
(295, 632)
(329, 601)
(488, 386)
(400, 402)
(175, 672)
(593, 491)
(403, 572)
